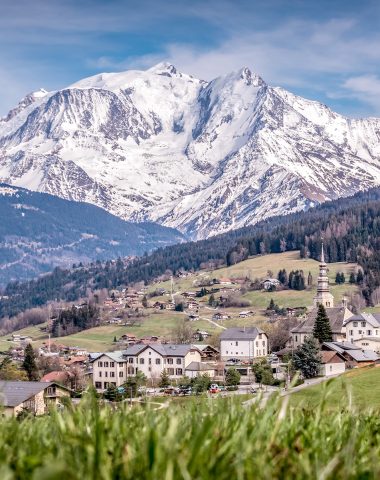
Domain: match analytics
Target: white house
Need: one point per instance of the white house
(270, 283)
(332, 363)
(243, 343)
(362, 326)
(108, 369)
(195, 369)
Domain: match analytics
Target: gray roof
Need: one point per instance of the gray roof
(116, 356)
(336, 316)
(354, 351)
(240, 333)
(15, 393)
(199, 367)
(372, 318)
(166, 350)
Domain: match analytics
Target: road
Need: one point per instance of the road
(284, 393)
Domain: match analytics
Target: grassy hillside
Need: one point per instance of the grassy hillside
(213, 440)
(162, 324)
(359, 388)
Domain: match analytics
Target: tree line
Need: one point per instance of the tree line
(350, 229)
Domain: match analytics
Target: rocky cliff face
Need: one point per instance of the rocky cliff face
(203, 157)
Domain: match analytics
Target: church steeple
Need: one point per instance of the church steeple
(323, 295)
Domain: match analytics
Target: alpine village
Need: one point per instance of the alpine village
(189, 240)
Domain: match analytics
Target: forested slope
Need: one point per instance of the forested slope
(350, 228)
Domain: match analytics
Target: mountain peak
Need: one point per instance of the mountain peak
(251, 78)
(163, 68)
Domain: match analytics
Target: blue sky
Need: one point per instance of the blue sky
(323, 50)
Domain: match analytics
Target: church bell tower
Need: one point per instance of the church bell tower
(323, 296)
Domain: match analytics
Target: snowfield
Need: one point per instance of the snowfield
(203, 157)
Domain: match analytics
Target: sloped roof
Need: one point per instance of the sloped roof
(336, 316)
(199, 367)
(202, 347)
(56, 376)
(14, 393)
(372, 318)
(166, 350)
(116, 356)
(354, 351)
(240, 333)
(328, 355)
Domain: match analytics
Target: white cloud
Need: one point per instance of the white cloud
(365, 88)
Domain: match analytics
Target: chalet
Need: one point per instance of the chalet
(191, 305)
(193, 317)
(245, 313)
(332, 363)
(270, 283)
(34, 397)
(208, 352)
(201, 335)
(189, 294)
(243, 343)
(217, 316)
(170, 306)
(354, 356)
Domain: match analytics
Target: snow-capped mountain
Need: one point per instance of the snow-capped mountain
(203, 157)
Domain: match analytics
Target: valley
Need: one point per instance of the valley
(164, 322)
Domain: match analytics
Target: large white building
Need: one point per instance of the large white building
(113, 368)
(243, 343)
(363, 325)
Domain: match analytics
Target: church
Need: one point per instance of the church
(337, 315)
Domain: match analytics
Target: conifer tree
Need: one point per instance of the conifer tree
(29, 363)
(322, 329)
(309, 280)
(352, 279)
(307, 358)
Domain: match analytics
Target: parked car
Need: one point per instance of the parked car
(186, 390)
(214, 388)
(233, 360)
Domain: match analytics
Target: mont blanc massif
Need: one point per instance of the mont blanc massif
(202, 157)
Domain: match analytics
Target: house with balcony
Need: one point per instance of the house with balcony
(33, 397)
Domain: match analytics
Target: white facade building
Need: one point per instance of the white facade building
(362, 326)
(115, 367)
(109, 369)
(243, 343)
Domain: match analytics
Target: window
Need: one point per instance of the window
(257, 344)
(105, 385)
(263, 343)
(112, 374)
(170, 361)
(98, 384)
(130, 360)
(296, 338)
(150, 361)
(369, 332)
(141, 361)
(355, 324)
(363, 324)
(170, 371)
(178, 371)
(351, 332)
(29, 405)
(236, 344)
(113, 383)
(121, 374)
(158, 361)
(100, 364)
(100, 374)
(112, 364)
(106, 364)
(359, 332)
(131, 370)
(179, 361)
(149, 368)
(106, 374)
(150, 353)
(50, 391)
